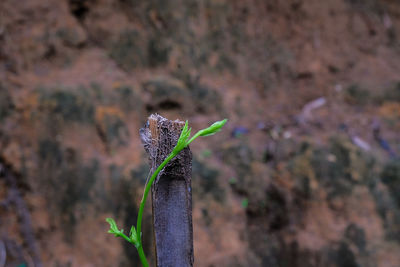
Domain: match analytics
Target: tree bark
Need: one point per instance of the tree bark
(171, 193)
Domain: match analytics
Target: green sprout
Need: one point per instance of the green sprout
(135, 235)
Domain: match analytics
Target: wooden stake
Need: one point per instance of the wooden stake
(171, 193)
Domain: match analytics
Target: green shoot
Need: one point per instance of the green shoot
(213, 129)
(135, 235)
(116, 232)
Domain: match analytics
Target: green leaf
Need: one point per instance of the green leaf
(133, 236)
(181, 144)
(113, 227)
(213, 129)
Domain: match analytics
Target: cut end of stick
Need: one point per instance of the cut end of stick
(153, 126)
(155, 120)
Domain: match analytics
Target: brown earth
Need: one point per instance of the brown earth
(287, 183)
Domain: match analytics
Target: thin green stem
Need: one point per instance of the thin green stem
(142, 256)
(124, 236)
(146, 192)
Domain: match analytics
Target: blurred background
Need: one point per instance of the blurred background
(306, 172)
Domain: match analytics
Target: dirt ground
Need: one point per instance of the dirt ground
(306, 172)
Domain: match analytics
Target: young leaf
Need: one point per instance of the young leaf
(113, 227)
(133, 236)
(181, 144)
(214, 128)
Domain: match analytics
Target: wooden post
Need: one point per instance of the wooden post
(171, 193)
